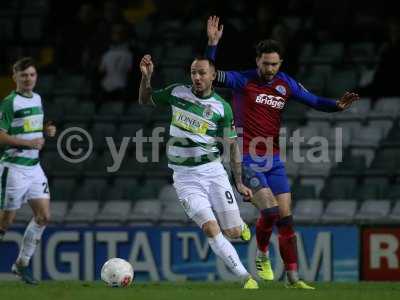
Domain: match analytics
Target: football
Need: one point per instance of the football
(117, 272)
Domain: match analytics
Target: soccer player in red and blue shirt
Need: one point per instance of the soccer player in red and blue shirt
(259, 96)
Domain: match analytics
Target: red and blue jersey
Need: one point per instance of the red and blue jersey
(258, 105)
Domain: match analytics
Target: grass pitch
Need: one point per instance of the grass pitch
(52, 290)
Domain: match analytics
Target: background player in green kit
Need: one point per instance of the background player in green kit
(201, 118)
(21, 176)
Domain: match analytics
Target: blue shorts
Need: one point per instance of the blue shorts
(265, 172)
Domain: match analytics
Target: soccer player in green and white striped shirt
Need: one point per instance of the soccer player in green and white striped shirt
(22, 178)
(201, 118)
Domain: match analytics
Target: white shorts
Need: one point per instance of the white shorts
(19, 185)
(203, 194)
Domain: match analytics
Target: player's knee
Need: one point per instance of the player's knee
(43, 220)
(233, 233)
(284, 211)
(210, 228)
(6, 221)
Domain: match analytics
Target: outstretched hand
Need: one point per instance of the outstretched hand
(146, 66)
(244, 191)
(346, 100)
(214, 30)
(50, 129)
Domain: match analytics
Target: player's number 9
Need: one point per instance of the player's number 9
(229, 197)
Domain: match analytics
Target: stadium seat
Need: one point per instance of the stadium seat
(341, 81)
(151, 188)
(148, 210)
(353, 126)
(24, 215)
(385, 108)
(114, 212)
(308, 132)
(367, 153)
(31, 27)
(393, 192)
(59, 210)
(174, 74)
(316, 115)
(367, 137)
(308, 211)
(387, 160)
(100, 131)
(143, 29)
(168, 194)
(55, 165)
(178, 55)
(303, 192)
(160, 114)
(70, 84)
(91, 189)
(130, 166)
(394, 216)
(322, 70)
(351, 166)
(320, 125)
(193, 28)
(384, 125)
(339, 211)
(367, 192)
(124, 188)
(311, 169)
(82, 112)
(339, 187)
(373, 211)
(61, 189)
(158, 169)
(306, 52)
(314, 83)
(137, 113)
(328, 52)
(128, 130)
(109, 111)
(173, 214)
(316, 181)
(337, 134)
(375, 184)
(7, 27)
(362, 52)
(82, 212)
(292, 168)
(97, 165)
(44, 85)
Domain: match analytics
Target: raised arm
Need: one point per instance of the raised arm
(214, 33)
(231, 79)
(145, 89)
(300, 94)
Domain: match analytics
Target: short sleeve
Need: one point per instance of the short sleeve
(227, 125)
(6, 115)
(163, 96)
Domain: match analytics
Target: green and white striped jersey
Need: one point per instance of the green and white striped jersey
(196, 125)
(21, 117)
